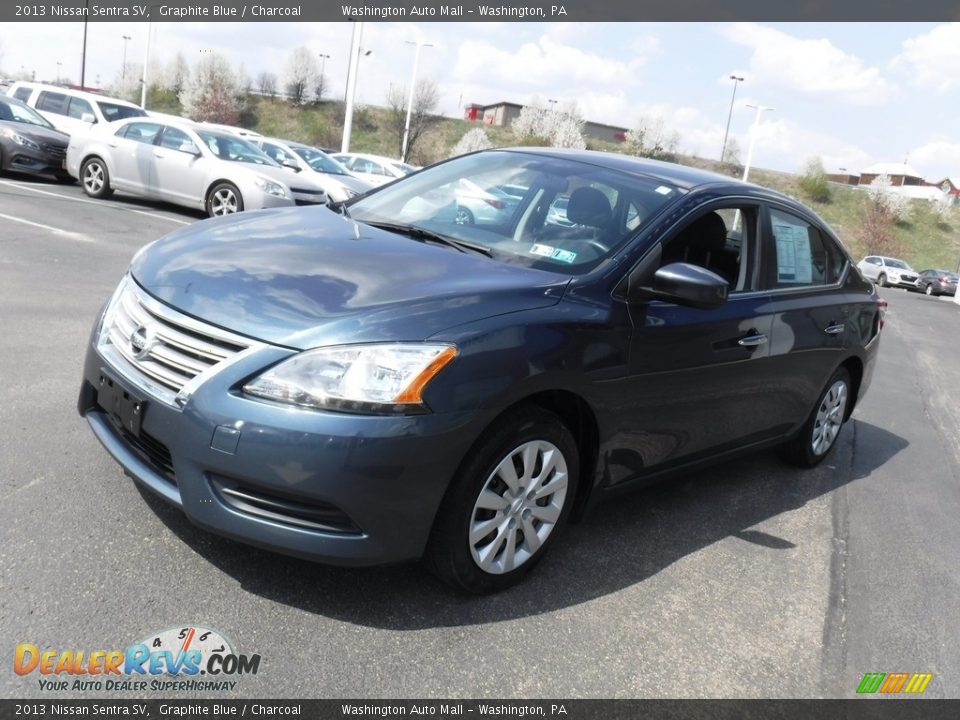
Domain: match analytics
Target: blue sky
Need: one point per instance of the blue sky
(851, 93)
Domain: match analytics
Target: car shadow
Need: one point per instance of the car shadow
(617, 545)
(122, 198)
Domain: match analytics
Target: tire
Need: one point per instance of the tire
(95, 178)
(464, 217)
(480, 497)
(882, 280)
(929, 290)
(819, 433)
(224, 199)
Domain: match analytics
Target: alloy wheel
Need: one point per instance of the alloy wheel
(93, 177)
(518, 507)
(223, 202)
(829, 418)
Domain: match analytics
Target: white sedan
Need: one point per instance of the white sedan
(186, 164)
(378, 169)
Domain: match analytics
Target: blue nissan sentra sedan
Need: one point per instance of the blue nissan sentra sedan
(380, 382)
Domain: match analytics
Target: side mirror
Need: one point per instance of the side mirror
(189, 148)
(291, 164)
(692, 285)
(88, 118)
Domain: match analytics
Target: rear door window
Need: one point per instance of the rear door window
(79, 107)
(23, 94)
(52, 102)
(800, 254)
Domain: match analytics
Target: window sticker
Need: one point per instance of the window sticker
(564, 256)
(559, 254)
(664, 190)
(794, 260)
(545, 250)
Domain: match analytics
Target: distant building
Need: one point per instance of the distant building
(900, 174)
(503, 113)
(950, 185)
(844, 178)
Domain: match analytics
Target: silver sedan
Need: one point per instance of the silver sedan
(186, 164)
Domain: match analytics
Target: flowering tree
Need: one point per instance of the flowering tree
(301, 75)
(213, 91)
(559, 128)
(472, 141)
(881, 193)
(651, 138)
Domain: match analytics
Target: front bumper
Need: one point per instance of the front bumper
(21, 158)
(376, 481)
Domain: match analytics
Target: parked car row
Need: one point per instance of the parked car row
(110, 144)
(894, 272)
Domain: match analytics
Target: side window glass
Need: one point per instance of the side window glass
(22, 94)
(720, 241)
(78, 107)
(173, 138)
(52, 102)
(274, 153)
(142, 132)
(802, 255)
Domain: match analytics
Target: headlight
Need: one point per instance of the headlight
(20, 139)
(382, 378)
(270, 187)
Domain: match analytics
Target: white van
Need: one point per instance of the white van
(72, 111)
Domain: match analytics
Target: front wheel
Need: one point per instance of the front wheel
(224, 199)
(510, 498)
(819, 434)
(95, 178)
(929, 290)
(882, 280)
(464, 217)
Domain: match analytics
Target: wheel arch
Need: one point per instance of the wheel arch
(854, 366)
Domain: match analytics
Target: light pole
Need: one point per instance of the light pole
(58, 70)
(726, 133)
(323, 64)
(83, 57)
(146, 62)
(413, 86)
(123, 68)
(351, 84)
(553, 104)
(753, 136)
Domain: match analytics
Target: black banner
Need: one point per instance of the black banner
(866, 708)
(469, 11)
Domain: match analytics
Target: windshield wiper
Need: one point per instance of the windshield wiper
(420, 233)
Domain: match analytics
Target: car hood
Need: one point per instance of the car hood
(285, 175)
(306, 277)
(36, 132)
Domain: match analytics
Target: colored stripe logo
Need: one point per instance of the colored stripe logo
(894, 683)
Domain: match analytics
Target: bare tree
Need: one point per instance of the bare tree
(300, 75)
(321, 87)
(425, 101)
(267, 83)
(213, 91)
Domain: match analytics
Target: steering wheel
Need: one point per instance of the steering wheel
(595, 244)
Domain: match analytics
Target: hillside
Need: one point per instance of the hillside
(928, 243)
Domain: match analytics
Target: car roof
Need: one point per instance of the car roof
(682, 176)
(71, 91)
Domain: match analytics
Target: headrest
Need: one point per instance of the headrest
(707, 233)
(588, 206)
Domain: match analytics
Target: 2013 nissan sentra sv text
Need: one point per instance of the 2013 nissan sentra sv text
(396, 379)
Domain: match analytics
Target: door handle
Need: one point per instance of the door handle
(752, 340)
(834, 328)
(113, 145)
(157, 154)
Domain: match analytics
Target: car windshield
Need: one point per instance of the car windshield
(465, 199)
(404, 168)
(112, 111)
(15, 112)
(234, 149)
(894, 263)
(319, 161)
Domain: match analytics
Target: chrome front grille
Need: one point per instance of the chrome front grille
(165, 352)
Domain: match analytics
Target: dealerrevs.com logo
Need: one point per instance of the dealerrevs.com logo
(189, 658)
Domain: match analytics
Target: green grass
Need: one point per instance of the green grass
(927, 243)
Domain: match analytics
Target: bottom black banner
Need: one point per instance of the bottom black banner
(875, 708)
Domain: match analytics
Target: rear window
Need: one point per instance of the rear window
(52, 102)
(112, 111)
(22, 94)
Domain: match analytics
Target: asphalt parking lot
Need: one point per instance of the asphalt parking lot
(751, 579)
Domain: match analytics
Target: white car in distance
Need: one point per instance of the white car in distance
(378, 169)
(334, 177)
(187, 164)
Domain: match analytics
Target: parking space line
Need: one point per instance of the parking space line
(54, 230)
(92, 202)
